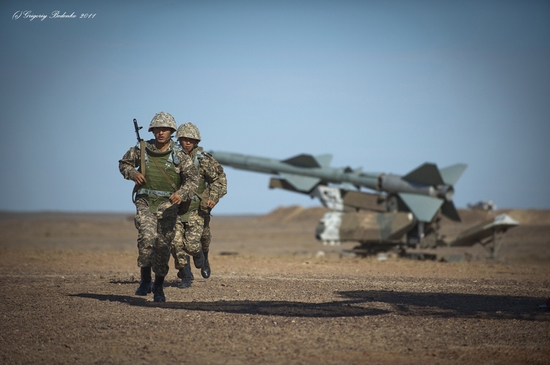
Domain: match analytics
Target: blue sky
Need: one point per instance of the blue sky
(382, 85)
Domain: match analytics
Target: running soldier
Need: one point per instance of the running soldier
(193, 235)
(169, 179)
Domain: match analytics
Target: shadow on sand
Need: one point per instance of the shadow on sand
(363, 303)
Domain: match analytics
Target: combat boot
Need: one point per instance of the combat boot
(186, 277)
(158, 291)
(205, 269)
(145, 283)
(182, 272)
(198, 259)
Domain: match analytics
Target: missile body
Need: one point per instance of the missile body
(304, 165)
(305, 172)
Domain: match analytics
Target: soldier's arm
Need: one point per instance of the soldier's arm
(127, 165)
(189, 177)
(220, 187)
(215, 176)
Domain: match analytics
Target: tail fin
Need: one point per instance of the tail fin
(301, 183)
(305, 183)
(451, 174)
(448, 209)
(423, 207)
(427, 174)
(304, 160)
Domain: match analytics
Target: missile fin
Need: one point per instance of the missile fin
(302, 161)
(300, 182)
(427, 174)
(423, 207)
(324, 160)
(448, 209)
(452, 173)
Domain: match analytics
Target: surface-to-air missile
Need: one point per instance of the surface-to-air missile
(403, 212)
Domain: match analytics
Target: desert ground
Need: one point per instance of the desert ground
(276, 296)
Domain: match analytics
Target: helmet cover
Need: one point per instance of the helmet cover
(163, 119)
(188, 130)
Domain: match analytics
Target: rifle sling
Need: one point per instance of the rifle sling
(165, 175)
(142, 156)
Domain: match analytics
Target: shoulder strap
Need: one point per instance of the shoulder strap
(165, 175)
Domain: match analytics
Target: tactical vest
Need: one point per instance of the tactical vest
(158, 189)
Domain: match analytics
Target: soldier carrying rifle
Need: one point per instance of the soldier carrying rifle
(165, 177)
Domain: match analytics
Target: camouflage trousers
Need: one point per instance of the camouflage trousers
(191, 237)
(155, 234)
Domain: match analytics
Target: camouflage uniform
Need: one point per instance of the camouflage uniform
(156, 215)
(193, 234)
(193, 227)
(160, 222)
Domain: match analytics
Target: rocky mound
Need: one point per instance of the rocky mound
(295, 213)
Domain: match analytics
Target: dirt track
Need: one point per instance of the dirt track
(276, 296)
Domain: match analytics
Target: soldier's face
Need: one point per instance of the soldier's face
(188, 143)
(162, 134)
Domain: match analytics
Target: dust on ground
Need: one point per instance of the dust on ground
(276, 296)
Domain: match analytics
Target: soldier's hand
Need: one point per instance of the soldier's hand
(210, 204)
(175, 198)
(139, 178)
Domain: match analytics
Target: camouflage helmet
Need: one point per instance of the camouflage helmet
(188, 130)
(163, 119)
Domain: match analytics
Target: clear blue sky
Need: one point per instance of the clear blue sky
(382, 85)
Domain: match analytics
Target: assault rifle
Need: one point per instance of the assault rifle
(141, 155)
(141, 148)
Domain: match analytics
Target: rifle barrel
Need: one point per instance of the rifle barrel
(137, 128)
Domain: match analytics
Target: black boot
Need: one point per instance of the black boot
(186, 277)
(183, 272)
(205, 269)
(145, 283)
(198, 259)
(158, 291)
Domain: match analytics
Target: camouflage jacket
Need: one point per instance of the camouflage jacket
(188, 172)
(211, 172)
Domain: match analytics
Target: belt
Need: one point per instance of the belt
(153, 192)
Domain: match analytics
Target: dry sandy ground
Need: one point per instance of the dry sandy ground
(276, 296)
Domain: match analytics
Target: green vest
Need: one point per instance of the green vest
(158, 189)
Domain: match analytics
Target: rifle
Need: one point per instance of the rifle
(141, 155)
(141, 148)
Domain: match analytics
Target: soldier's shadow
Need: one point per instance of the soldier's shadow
(362, 303)
(272, 308)
(443, 305)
